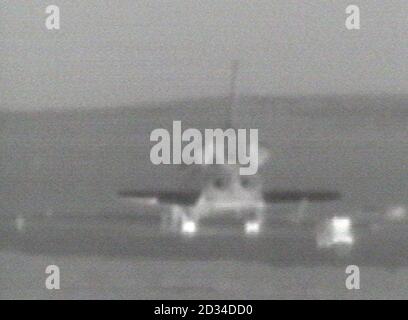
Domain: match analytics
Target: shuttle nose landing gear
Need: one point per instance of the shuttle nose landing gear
(179, 222)
(254, 223)
(252, 227)
(188, 226)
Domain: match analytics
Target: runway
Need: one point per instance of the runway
(115, 261)
(22, 276)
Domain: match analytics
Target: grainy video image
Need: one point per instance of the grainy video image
(203, 149)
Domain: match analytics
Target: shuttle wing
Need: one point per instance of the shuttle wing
(163, 197)
(299, 195)
(190, 197)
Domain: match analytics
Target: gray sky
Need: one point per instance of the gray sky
(112, 53)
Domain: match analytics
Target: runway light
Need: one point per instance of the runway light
(19, 223)
(397, 213)
(189, 227)
(252, 227)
